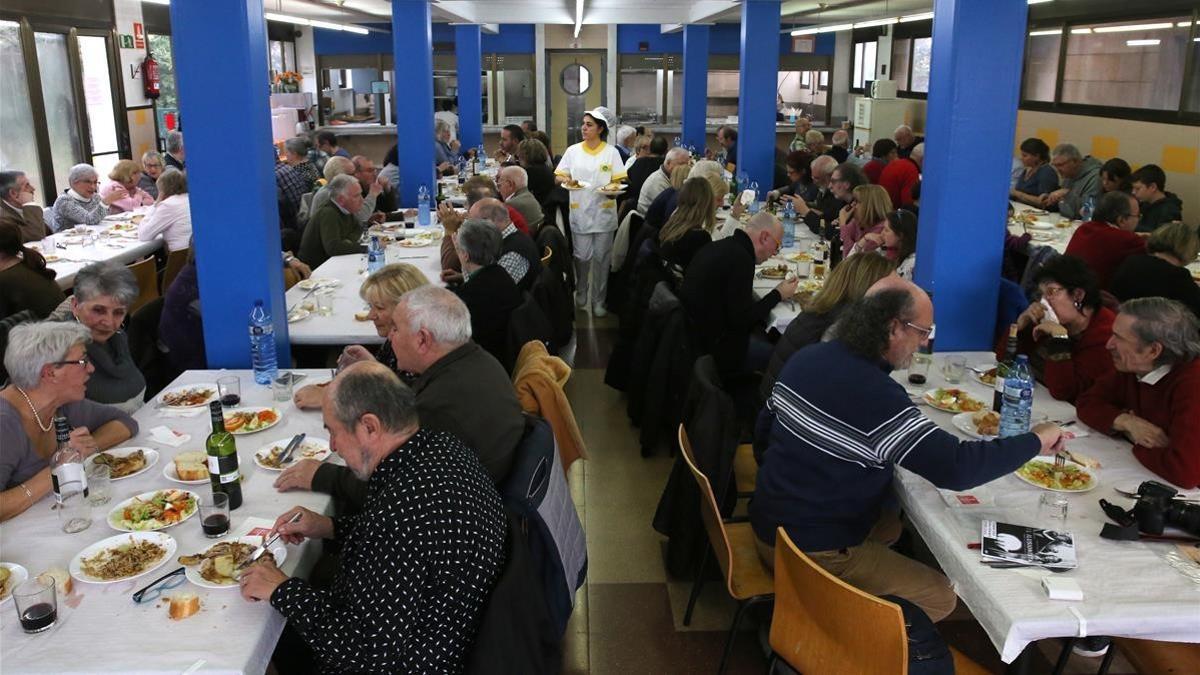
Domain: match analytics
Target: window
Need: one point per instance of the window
(1041, 65)
(900, 50)
(922, 48)
(276, 56)
(1191, 96)
(166, 107)
(864, 64)
(66, 149)
(97, 92)
(17, 150)
(1131, 64)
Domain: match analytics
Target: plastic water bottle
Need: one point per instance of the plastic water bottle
(1017, 405)
(481, 158)
(753, 209)
(789, 224)
(423, 205)
(1089, 207)
(375, 255)
(262, 344)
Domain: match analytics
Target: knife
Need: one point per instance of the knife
(266, 545)
(291, 448)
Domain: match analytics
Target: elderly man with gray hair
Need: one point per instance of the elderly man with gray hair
(1153, 398)
(460, 388)
(81, 204)
(488, 290)
(175, 156)
(1080, 181)
(18, 208)
(335, 166)
(519, 255)
(334, 229)
(661, 180)
(295, 175)
(513, 184)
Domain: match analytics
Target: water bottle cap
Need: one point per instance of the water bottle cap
(1021, 358)
(258, 303)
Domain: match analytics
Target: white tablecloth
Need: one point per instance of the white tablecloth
(783, 312)
(1129, 589)
(102, 628)
(1046, 230)
(122, 247)
(340, 328)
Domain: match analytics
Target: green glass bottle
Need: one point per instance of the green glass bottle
(223, 470)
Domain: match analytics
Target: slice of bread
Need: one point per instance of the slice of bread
(191, 465)
(184, 605)
(63, 584)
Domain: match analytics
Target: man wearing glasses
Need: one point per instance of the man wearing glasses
(17, 207)
(835, 427)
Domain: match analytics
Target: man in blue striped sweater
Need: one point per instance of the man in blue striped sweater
(835, 426)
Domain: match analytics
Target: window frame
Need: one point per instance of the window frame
(912, 32)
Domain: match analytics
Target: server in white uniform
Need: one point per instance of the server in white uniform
(593, 164)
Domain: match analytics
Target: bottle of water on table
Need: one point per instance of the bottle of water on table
(1017, 406)
(753, 208)
(789, 224)
(1087, 209)
(262, 344)
(423, 205)
(480, 158)
(375, 253)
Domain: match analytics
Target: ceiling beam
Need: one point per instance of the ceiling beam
(708, 10)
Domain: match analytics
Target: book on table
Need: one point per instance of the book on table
(1023, 545)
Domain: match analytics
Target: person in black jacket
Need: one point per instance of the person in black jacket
(488, 290)
(1161, 272)
(718, 295)
(533, 156)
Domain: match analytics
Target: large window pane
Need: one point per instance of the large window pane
(66, 149)
(18, 149)
(166, 107)
(1191, 96)
(922, 48)
(276, 57)
(1041, 66)
(97, 91)
(900, 63)
(1136, 64)
(857, 82)
(869, 62)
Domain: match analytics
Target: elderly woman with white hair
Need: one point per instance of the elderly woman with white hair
(82, 204)
(48, 368)
(172, 213)
(103, 293)
(152, 168)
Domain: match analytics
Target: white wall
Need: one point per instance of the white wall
(842, 57)
(306, 59)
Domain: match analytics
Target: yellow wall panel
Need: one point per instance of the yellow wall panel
(1179, 159)
(1105, 147)
(1050, 136)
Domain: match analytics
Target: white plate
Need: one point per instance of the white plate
(165, 540)
(416, 242)
(184, 387)
(322, 282)
(151, 459)
(1050, 461)
(979, 378)
(963, 422)
(253, 409)
(1040, 225)
(17, 576)
(113, 517)
(192, 572)
(169, 473)
(316, 448)
(583, 185)
(298, 314)
(931, 401)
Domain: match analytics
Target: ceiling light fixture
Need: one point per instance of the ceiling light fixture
(1048, 31)
(835, 28)
(876, 22)
(158, 2)
(1132, 27)
(916, 17)
(1081, 31)
(301, 21)
(578, 17)
(1038, 2)
(287, 18)
(811, 30)
(1142, 43)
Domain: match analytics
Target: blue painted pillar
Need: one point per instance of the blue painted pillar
(757, 83)
(469, 56)
(412, 53)
(226, 104)
(974, 85)
(695, 83)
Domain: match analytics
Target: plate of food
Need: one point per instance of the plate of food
(216, 567)
(1070, 477)
(573, 184)
(188, 396)
(51, 258)
(1043, 236)
(984, 374)
(122, 557)
(613, 189)
(154, 510)
(11, 576)
(310, 448)
(800, 257)
(1039, 225)
(251, 420)
(125, 462)
(779, 271)
(416, 242)
(981, 424)
(189, 468)
(952, 400)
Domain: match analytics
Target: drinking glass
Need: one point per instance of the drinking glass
(1052, 506)
(99, 480)
(214, 514)
(918, 370)
(324, 302)
(37, 606)
(74, 512)
(953, 369)
(281, 386)
(230, 390)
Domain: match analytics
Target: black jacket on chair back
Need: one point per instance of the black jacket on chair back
(523, 245)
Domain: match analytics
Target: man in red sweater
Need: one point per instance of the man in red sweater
(882, 154)
(1108, 239)
(1154, 397)
(899, 176)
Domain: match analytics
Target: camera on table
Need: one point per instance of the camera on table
(1157, 507)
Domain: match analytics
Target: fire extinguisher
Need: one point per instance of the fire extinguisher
(150, 79)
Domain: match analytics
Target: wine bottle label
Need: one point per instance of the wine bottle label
(231, 477)
(220, 466)
(66, 473)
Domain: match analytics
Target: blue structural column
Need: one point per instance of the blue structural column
(412, 53)
(974, 85)
(224, 103)
(757, 83)
(695, 83)
(469, 56)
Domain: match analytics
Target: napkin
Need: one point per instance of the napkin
(186, 412)
(167, 436)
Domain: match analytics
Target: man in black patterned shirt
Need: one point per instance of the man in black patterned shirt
(420, 559)
(295, 175)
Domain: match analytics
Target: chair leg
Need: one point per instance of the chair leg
(737, 620)
(1063, 656)
(1108, 658)
(697, 585)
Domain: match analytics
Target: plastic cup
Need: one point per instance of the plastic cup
(1052, 506)
(99, 480)
(74, 511)
(953, 369)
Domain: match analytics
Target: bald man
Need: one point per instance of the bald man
(835, 427)
(906, 140)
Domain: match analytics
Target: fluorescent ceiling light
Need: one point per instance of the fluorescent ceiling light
(916, 17)
(287, 18)
(1048, 31)
(811, 30)
(578, 16)
(1037, 2)
(158, 2)
(1132, 27)
(835, 28)
(301, 21)
(1081, 31)
(876, 22)
(1142, 43)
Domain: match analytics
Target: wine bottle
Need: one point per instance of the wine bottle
(66, 464)
(222, 458)
(1010, 355)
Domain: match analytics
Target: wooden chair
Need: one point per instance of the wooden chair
(1150, 657)
(175, 262)
(147, 280)
(746, 577)
(547, 254)
(824, 626)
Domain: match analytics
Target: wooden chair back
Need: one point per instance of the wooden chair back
(824, 626)
(175, 262)
(146, 275)
(714, 525)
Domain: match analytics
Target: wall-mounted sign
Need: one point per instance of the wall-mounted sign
(804, 44)
(381, 87)
(139, 36)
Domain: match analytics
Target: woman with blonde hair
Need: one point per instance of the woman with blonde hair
(862, 220)
(381, 291)
(123, 184)
(690, 227)
(847, 282)
(172, 214)
(1162, 270)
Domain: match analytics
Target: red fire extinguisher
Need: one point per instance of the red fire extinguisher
(150, 77)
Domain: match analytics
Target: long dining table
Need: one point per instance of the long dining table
(100, 628)
(1130, 588)
(115, 238)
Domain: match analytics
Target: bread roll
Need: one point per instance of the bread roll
(361, 316)
(184, 605)
(63, 584)
(191, 465)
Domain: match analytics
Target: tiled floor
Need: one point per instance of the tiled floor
(628, 618)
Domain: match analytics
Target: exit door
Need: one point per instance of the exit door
(576, 84)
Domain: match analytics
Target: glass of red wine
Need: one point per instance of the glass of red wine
(230, 389)
(214, 515)
(37, 606)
